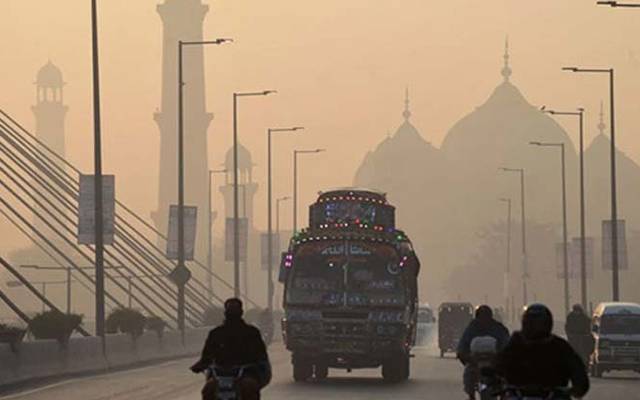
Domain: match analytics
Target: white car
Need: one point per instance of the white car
(616, 330)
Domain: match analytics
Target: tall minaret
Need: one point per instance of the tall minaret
(183, 20)
(50, 112)
(49, 109)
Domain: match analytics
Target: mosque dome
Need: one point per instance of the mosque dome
(498, 134)
(245, 162)
(49, 76)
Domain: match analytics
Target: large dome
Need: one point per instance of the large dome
(498, 134)
(49, 76)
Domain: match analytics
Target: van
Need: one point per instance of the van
(616, 330)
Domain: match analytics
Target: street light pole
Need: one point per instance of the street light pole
(615, 4)
(525, 264)
(565, 252)
(508, 264)
(236, 222)
(181, 250)
(583, 241)
(615, 277)
(97, 171)
(295, 183)
(210, 235)
(269, 214)
(278, 201)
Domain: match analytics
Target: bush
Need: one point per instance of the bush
(126, 320)
(156, 324)
(11, 334)
(213, 316)
(54, 325)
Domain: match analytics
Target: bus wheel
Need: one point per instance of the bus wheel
(321, 371)
(302, 369)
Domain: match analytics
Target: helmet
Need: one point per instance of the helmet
(233, 308)
(484, 312)
(537, 322)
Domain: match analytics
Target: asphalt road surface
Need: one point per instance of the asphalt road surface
(432, 378)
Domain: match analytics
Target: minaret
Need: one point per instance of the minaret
(50, 112)
(406, 113)
(49, 109)
(247, 190)
(601, 124)
(183, 20)
(506, 70)
(247, 187)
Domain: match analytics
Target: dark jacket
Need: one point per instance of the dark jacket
(549, 363)
(233, 343)
(478, 328)
(578, 323)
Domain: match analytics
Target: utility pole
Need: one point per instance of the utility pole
(270, 131)
(583, 240)
(236, 217)
(525, 264)
(615, 267)
(565, 252)
(97, 170)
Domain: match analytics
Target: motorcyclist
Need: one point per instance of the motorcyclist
(232, 344)
(538, 361)
(578, 330)
(482, 325)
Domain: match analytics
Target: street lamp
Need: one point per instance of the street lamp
(43, 285)
(210, 234)
(508, 265)
(615, 4)
(278, 201)
(583, 251)
(236, 224)
(97, 182)
(295, 183)
(525, 266)
(68, 276)
(269, 214)
(614, 202)
(565, 253)
(181, 267)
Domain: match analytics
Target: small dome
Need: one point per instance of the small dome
(50, 76)
(245, 162)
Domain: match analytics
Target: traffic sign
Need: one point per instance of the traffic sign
(180, 275)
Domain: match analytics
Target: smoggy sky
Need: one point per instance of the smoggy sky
(340, 68)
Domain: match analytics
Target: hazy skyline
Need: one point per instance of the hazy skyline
(340, 70)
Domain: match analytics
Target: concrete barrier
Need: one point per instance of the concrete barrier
(47, 358)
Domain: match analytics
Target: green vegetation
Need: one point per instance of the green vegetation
(54, 325)
(126, 320)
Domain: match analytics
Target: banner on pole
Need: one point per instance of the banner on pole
(190, 220)
(264, 251)
(575, 257)
(243, 237)
(607, 246)
(86, 209)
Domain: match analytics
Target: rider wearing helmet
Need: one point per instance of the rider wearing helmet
(482, 325)
(538, 361)
(232, 344)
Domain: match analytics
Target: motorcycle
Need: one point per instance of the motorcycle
(227, 377)
(483, 354)
(535, 393)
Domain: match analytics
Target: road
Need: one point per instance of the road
(432, 378)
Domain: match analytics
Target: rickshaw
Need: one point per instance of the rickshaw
(453, 318)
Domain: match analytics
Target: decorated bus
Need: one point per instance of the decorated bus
(350, 288)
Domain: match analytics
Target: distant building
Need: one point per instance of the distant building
(247, 189)
(498, 134)
(183, 20)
